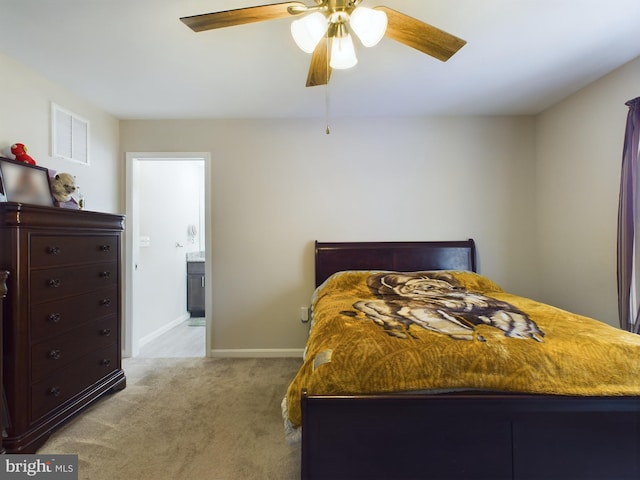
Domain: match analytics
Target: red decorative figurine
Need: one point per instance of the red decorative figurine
(20, 152)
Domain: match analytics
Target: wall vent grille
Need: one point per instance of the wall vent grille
(70, 135)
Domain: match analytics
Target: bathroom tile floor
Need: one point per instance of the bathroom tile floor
(180, 342)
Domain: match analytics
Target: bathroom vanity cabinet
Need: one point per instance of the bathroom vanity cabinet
(195, 288)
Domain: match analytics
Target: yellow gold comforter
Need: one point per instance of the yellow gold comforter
(382, 332)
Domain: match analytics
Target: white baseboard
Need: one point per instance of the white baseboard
(258, 353)
(165, 328)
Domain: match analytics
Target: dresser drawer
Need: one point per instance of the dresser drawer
(52, 250)
(53, 283)
(52, 318)
(57, 352)
(64, 384)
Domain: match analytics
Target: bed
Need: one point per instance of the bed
(457, 429)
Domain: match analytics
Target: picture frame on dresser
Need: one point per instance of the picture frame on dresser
(24, 183)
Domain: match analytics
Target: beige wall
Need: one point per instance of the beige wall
(25, 111)
(538, 194)
(579, 151)
(277, 185)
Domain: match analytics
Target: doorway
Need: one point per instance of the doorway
(160, 231)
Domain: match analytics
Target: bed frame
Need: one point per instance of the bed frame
(459, 436)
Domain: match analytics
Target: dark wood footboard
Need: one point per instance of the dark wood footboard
(468, 437)
(459, 436)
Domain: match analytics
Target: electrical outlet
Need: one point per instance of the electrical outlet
(304, 314)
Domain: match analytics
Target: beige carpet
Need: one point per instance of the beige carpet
(192, 419)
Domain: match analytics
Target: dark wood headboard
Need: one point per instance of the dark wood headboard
(398, 256)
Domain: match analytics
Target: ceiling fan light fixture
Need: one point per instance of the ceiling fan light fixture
(333, 20)
(343, 53)
(369, 25)
(308, 30)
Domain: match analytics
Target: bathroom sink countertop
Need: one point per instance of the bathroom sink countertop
(195, 256)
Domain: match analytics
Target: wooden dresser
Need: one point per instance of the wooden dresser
(62, 321)
(3, 293)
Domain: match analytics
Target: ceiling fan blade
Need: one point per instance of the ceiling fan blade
(421, 36)
(319, 70)
(240, 16)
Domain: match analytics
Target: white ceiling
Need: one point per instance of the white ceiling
(135, 59)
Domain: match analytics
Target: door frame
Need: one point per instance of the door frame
(132, 231)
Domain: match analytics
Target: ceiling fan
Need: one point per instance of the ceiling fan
(324, 30)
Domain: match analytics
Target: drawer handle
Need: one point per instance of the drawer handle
(55, 317)
(105, 332)
(105, 275)
(55, 391)
(55, 283)
(54, 250)
(55, 354)
(105, 362)
(105, 248)
(105, 302)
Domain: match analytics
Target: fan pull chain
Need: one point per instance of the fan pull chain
(327, 99)
(327, 105)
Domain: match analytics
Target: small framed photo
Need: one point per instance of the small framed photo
(24, 183)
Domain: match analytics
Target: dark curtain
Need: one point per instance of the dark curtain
(628, 223)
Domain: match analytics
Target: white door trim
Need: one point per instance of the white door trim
(130, 342)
